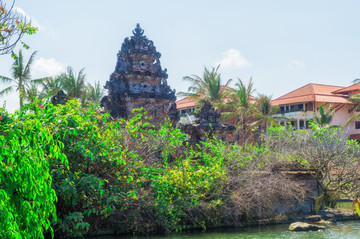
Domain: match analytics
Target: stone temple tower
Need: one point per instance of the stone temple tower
(139, 81)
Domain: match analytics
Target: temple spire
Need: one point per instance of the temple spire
(138, 31)
(139, 81)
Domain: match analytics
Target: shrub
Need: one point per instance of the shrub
(27, 200)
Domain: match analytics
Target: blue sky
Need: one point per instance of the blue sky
(281, 44)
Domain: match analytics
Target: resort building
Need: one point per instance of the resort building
(298, 106)
(187, 107)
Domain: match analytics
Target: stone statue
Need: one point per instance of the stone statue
(59, 98)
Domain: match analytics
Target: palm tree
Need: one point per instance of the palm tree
(241, 107)
(51, 86)
(73, 84)
(356, 100)
(207, 88)
(94, 93)
(264, 111)
(21, 77)
(324, 117)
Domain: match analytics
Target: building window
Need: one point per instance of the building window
(357, 124)
(293, 123)
(301, 124)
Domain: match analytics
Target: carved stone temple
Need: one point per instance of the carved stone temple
(139, 81)
(206, 125)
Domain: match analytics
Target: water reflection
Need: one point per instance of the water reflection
(339, 230)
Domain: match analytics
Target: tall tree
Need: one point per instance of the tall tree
(207, 88)
(21, 73)
(265, 111)
(241, 107)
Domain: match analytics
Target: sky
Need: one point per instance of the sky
(281, 44)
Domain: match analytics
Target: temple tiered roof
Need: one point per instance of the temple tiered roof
(139, 81)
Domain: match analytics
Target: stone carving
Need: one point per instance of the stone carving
(59, 98)
(207, 115)
(138, 80)
(206, 125)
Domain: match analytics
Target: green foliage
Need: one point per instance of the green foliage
(188, 182)
(88, 185)
(22, 81)
(27, 200)
(324, 117)
(139, 177)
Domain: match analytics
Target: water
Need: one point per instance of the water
(338, 230)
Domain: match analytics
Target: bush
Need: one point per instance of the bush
(331, 158)
(27, 200)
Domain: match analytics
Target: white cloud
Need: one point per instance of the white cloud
(296, 64)
(47, 67)
(233, 58)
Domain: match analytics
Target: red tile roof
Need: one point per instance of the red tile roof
(346, 90)
(312, 93)
(186, 102)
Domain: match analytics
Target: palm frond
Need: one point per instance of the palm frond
(7, 90)
(5, 79)
(27, 69)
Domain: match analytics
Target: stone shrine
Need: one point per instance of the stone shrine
(60, 98)
(139, 81)
(206, 125)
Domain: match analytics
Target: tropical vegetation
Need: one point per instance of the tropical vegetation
(324, 117)
(22, 82)
(71, 170)
(67, 170)
(209, 87)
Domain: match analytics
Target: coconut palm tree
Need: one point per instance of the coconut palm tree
(51, 86)
(241, 107)
(21, 80)
(356, 116)
(324, 117)
(74, 84)
(207, 88)
(94, 93)
(264, 112)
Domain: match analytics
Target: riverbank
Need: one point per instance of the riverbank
(327, 217)
(345, 229)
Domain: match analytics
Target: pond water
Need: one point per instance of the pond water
(338, 230)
